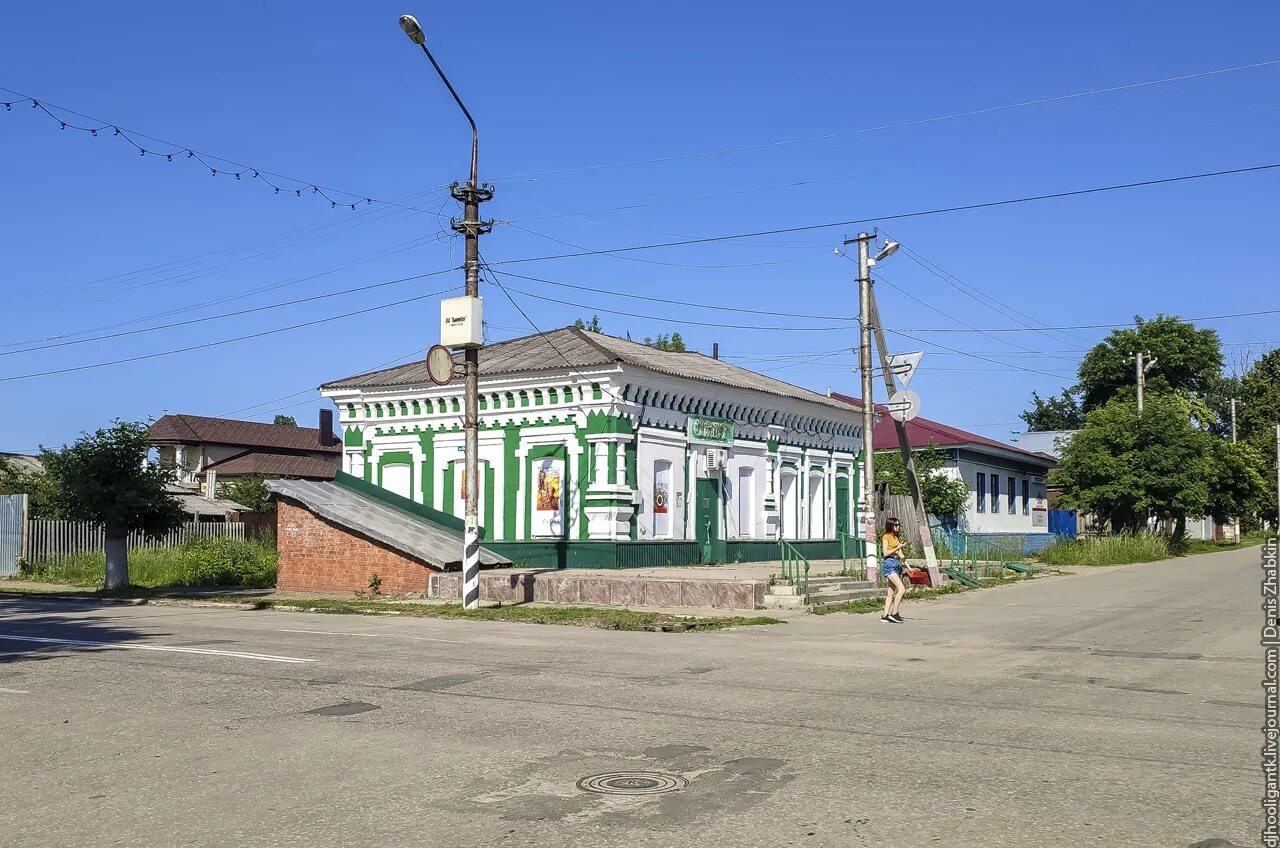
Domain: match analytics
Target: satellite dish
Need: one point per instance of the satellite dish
(904, 405)
(440, 365)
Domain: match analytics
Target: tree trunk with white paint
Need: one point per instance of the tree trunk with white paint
(117, 548)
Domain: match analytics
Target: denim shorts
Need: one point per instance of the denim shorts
(890, 565)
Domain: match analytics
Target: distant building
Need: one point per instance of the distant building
(1007, 484)
(25, 463)
(197, 445)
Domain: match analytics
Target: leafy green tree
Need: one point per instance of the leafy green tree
(592, 326)
(1164, 464)
(1237, 487)
(944, 496)
(665, 342)
(36, 485)
(1190, 361)
(108, 478)
(1257, 414)
(250, 492)
(286, 420)
(1061, 412)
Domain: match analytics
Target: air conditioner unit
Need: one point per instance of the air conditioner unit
(717, 459)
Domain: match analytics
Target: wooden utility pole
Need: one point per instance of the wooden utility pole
(904, 445)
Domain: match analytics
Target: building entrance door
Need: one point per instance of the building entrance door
(706, 519)
(842, 506)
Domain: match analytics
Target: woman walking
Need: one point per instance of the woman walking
(891, 569)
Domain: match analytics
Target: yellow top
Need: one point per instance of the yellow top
(892, 545)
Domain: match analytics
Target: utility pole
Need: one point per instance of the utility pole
(1142, 370)
(868, 402)
(471, 227)
(904, 446)
(1235, 524)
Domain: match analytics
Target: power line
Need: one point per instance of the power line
(535, 327)
(671, 301)
(977, 294)
(235, 314)
(276, 181)
(896, 125)
(221, 342)
(1222, 317)
(672, 264)
(180, 267)
(680, 320)
(981, 357)
(310, 389)
(897, 216)
(291, 281)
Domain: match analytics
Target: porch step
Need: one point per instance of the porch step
(823, 591)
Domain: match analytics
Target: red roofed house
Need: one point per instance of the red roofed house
(198, 445)
(1006, 483)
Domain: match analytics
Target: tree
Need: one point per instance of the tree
(250, 492)
(592, 326)
(36, 485)
(1061, 412)
(944, 496)
(1258, 413)
(665, 342)
(107, 478)
(286, 420)
(1164, 464)
(1190, 360)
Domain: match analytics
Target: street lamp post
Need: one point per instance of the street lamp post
(470, 196)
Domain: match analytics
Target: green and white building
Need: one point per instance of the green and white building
(596, 450)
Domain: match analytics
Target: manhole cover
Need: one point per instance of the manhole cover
(632, 783)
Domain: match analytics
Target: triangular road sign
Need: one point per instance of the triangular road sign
(903, 365)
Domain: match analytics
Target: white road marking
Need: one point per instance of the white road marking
(142, 646)
(14, 691)
(379, 636)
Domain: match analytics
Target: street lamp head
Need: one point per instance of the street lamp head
(890, 248)
(409, 24)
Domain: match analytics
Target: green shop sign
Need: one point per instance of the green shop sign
(710, 431)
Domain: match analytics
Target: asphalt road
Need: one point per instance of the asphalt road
(1119, 707)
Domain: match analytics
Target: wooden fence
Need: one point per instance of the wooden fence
(50, 541)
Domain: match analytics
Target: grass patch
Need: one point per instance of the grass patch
(1121, 549)
(219, 561)
(1247, 540)
(866, 605)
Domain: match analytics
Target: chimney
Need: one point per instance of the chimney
(715, 350)
(327, 438)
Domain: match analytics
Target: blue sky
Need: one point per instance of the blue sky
(337, 96)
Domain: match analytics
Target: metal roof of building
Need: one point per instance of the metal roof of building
(571, 347)
(407, 534)
(198, 429)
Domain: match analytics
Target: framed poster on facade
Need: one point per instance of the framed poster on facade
(548, 497)
(662, 500)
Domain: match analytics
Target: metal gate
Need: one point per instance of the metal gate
(13, 524)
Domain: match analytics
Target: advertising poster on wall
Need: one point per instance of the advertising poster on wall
(662, 502)
(548, 495)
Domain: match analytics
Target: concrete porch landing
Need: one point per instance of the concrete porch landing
(735, 586)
